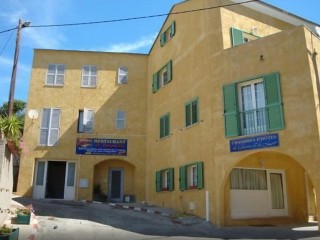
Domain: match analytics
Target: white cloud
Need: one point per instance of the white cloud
(38, 12)
(13, 17)
(131, 47)
(8, 63)
(41, 38)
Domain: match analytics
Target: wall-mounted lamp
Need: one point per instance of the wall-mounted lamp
(261, 58)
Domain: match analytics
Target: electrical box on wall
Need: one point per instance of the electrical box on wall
(129, 198)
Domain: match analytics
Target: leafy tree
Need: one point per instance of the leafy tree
(18, 109)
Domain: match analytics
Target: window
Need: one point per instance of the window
(168, 34)
(50, 126)
(248, 179)
(40, 173)
(165, 180)
(191, 176)
(256, 193)
(162, 77)
(165, 125)
(122, 75)
(71, 174)
(252, 107)
(89, 76)
(257, 109)
(55, 75)
(121, 119)
(85, 121)
(239, 37)
(192, 112)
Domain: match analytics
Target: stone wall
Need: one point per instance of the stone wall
(6, 180)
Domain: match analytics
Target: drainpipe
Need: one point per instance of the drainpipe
(207, 207)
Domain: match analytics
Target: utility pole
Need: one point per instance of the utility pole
(15, 66)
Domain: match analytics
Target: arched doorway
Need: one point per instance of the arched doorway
(114, 181)
(268, 188)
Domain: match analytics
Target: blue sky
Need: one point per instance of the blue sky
(129, 36)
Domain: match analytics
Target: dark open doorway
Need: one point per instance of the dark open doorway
(56, 180)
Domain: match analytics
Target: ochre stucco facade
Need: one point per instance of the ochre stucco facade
(203, 61)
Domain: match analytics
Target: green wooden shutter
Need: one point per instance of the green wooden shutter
(169, 70)
(167, 125)
(158, 181)
(236, 37)
(230, 110)
(188, 114)
(162, 39)
(200, 175)
(155, 82)
(173, 29)
(171, 179)
(162, 127)
(182, 178)
(274, 102)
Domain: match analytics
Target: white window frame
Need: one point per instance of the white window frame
(255, 128)
(163, 77)
(56, 75)
(165, 180)
(121, 120)
(49, 129)
(92, 76)
(122, 75)
(86, 121)
(192, 177)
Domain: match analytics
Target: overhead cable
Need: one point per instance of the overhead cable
(133, 18)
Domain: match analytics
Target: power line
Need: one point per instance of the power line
(133, 18)
(5, 45)
(8, 30)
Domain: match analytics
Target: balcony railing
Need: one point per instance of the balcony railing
(253, 121)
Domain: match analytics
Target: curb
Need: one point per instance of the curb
(35, 227)
(139, 209)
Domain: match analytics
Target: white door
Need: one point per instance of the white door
(278, 196)
(69, 189)
(39, 186)
(40, 181)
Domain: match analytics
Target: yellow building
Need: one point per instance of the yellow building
(220, 119)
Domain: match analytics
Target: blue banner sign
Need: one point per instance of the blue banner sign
(99, 146)
(250, 143)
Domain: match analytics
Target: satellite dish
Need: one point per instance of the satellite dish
(33, 114)
(318, 31)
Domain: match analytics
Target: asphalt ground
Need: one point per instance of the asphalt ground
(55, 219)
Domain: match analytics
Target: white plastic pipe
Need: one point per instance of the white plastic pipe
(207, 206)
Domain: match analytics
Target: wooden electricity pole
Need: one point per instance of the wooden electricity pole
(15, 66)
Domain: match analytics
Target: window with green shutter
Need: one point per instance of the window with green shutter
(253, 106)
(192, 112)
(165, 125)
(191, 176)
(162, 77)
(168, 34)
(239, 37)
(165, 180)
